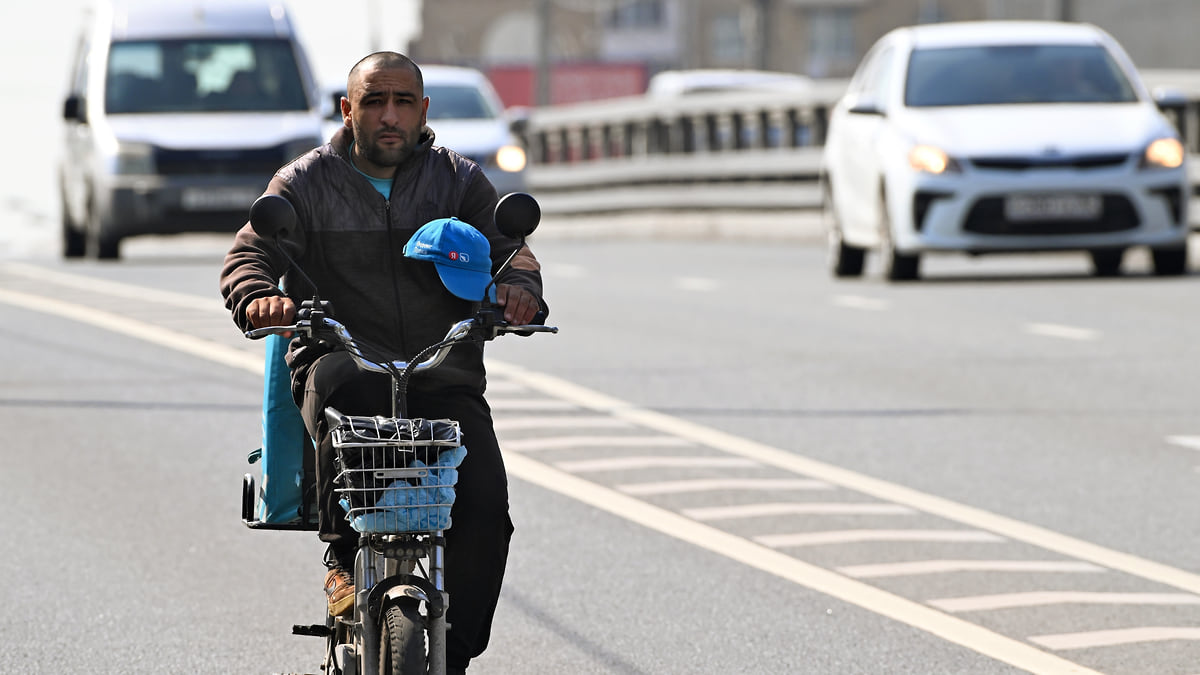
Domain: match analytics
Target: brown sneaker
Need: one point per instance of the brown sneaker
(339, 589)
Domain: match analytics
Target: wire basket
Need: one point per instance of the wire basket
(397, 475)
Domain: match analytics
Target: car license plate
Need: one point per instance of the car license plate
(217, 198)
(1053, 207)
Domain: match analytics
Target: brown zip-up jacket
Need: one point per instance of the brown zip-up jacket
(350, 241)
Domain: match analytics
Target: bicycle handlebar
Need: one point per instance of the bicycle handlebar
(467, 329)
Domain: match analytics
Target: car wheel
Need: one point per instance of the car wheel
(1107, 262)
(844, 260)
(1169, 262)
(74, 245)
(896, 266)
(101, 244)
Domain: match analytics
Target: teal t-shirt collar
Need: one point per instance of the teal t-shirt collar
(382, 185)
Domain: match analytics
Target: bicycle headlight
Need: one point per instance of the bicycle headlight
(510, 158)
(1164, 153)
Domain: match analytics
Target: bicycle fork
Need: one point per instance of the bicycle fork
(385, 570)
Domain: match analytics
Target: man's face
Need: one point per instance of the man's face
(386, 110)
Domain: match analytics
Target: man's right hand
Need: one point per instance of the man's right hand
(276, 310)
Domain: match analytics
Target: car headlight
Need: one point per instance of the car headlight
(1164, 153)
(510, 158)
(133, 159)
(932, 160)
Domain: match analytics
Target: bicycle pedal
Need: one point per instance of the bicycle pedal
(315, 630)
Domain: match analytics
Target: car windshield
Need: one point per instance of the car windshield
(996, 75)
(172, 76)
(457, 101)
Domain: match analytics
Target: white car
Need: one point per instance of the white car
(467, 116)
(1002, 136)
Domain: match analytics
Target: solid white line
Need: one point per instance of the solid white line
(952, 629)
(949, 628)
(1120, 636)
(981, 603)
(626, 463)
(794, 508)
(565, 442)
(117, 288)
(182, 342)
(850, 480)
(918, 567)
(853, 536)
(1189, 442)
(565, 422)
(1059, 331)
(671, 487)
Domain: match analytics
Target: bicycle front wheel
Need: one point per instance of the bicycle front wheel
(402, 639)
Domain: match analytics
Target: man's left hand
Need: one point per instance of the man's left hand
(519, 304)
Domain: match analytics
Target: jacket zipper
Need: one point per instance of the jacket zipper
(387, 216)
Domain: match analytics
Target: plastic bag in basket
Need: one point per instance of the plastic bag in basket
(424, 508)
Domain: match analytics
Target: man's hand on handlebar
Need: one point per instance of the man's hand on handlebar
(276, 310)
(519, 304)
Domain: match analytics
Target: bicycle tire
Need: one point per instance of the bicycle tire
(402, 639)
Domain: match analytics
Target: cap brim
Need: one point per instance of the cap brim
(466, 284)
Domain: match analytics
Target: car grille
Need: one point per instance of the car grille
(987, 217)
(1081, 162)
(256, 162)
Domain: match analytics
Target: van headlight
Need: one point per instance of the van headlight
(133, 159)
(510, 158)
(1164, 153)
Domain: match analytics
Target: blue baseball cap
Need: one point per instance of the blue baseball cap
(461, 254)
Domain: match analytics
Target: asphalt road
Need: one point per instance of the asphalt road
(725, 462)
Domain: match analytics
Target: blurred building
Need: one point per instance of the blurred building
(602, 48)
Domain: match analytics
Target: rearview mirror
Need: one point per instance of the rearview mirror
(272, 216)
(517, 215)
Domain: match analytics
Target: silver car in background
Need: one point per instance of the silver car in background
(1002, 136)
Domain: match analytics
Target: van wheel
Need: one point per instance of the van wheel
(101, 244)
(74, 244)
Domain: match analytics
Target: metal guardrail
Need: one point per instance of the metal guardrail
(721, 150)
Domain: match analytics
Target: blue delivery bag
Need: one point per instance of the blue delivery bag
(285, 442)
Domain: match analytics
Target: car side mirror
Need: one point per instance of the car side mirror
(866, 106)
(74, 109)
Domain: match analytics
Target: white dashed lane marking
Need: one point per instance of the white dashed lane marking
(710, 513)
(669, 487)
(918, 567)
(982, 603)
(857, 536)
(1055, 330)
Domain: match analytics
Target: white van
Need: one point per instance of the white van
(177, 116)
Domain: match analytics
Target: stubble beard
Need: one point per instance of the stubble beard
(379, 156)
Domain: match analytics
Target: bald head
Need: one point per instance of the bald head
(383, 61)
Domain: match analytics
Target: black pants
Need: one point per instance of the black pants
(477, 541)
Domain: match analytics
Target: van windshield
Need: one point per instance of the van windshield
(168, 76)
(992, 75)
